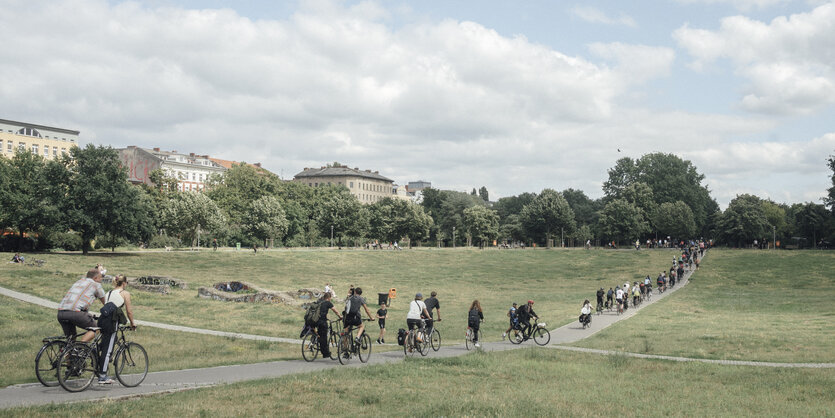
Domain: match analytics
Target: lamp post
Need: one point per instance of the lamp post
(331, 235)
(453, 237)
(773, 237)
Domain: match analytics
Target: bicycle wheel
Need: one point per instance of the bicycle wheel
(541, 336)
(435, 339)
(468, 339)
(131, 364)
(423, 347)
(409, 349)
(364, 350)
(46, 363)
(310, 347)
(333, 342)
(516, 337)
(344, 349)
(77, 368)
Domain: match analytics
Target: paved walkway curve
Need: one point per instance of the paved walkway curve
(177, 380)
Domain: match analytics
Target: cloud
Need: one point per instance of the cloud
(789, 62)
(638, 62)
(744, 5)
(594, 15)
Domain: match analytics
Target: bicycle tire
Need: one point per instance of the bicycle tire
(310, 348)
(47, 372)
(333, 342)
(541, 336)
(435, 339)
(409, 343)
(131, 364)
(516, 337)
(344, 349)
(364, 351)
(77, 368)
(468, 339)
(423, 347)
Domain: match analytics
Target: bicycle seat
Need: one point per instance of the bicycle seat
(92, 328)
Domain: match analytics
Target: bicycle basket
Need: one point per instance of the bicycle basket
(541, 325)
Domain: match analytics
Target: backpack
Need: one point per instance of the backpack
(353, 305)
(311, 316)
(401, 336)
(473, 318)
(110, 316)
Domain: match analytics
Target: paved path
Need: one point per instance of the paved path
(176, 380)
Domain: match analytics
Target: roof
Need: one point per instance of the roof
(227, 164)
(341, 171)
(32, 125)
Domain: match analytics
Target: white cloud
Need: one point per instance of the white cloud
(594, 15)
(636, 62)
(789, 62)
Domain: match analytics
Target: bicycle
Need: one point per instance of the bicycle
(434, 337)
(46, 362)
(78, 363)
(469, 338)
(585, 320)
(412, 345)
(348, 346)
(648, 296)
(599, 309)
(310, 342)
(540, 335)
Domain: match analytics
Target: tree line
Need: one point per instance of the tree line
(84, 198)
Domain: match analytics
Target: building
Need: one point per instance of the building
(227, 164)
(192, 171)
(46, 141)
(368, 186)
(414, 186)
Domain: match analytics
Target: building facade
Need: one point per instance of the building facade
(368, 186)
(46, 141)
(191, 171)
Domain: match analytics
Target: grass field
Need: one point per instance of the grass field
(742, 305)
(558, 280)
(528, 382)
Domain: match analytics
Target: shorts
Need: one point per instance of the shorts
(352, 320)
(619, 301)
(71, 319)
(414, 323)
(381, 323)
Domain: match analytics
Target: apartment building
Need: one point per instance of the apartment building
(191, 170)
(368, 186)
(46, 141)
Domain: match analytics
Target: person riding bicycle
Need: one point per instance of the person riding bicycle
(636, 294)
(474, 319)
(600, 294)
(353, 317)
(417, 311)
(661, 281)
(619, 297)
(514, 320)
(121, 298)
(432, 305)
(525, 313)
(585, 311)
(609, 297)
(72, 311)
(322, 326)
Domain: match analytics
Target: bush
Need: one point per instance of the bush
(162, 241)
(67, 241)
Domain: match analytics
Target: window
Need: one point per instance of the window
(54, 151)
(35, 149)
(9, 146)
(201, 177)
(63, 151)
(21, 145)
(193, 176)
(46, 151)
(352, 184)
(29, 132)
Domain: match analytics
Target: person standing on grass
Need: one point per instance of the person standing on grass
(121, 298)
(514, 320)
(322, 325)
(474, 319)
(382, 314)
(432, 305)
(600, 294)
(72, 311)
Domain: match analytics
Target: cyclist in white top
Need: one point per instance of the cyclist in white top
(414, 318)
(121, 298)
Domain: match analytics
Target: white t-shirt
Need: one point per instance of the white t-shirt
(115, 296)
(416, 307)
(646, 280)
(586, 309)
(619, 294)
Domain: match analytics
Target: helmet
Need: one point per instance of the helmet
(530, 302)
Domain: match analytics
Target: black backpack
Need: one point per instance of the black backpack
(473, 318)
(353, 306)
(110, 316)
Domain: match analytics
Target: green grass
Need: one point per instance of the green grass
(23, 326)
(528, 382)
(558, 280)
(741, 305)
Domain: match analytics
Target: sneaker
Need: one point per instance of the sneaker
(378, 341)
(105, 380)
(504, 335)
(477, 345)
(383, 341)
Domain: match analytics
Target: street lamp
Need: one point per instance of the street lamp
(453, 237)
(331, 235)
(773, 237)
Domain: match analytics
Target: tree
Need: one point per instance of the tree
(189, 214)
(621, 175)
(743, 221)
(97, 195)
(26, 203)
(482, 224)
(546, 214)
(513, 205)
(585, 209)
(811, 221)
(674, 219)
(482, 192)
(343, 215)
(621, 220)
(446, 207)
(829, 200)
(265, 219)
(512, 229)
(392, 219)
(474, 193)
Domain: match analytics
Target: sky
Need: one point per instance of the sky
(515, 96)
